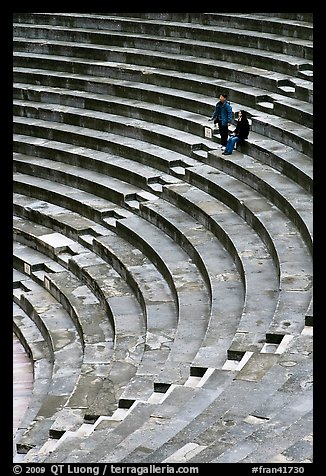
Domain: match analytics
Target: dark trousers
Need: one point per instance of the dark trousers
(224, 133)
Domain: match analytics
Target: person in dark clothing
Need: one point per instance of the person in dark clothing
(240, 133)
(223, 117)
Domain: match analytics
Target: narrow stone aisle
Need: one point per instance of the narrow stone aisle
(22, 382)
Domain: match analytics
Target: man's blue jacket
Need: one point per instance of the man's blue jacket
(223, 112)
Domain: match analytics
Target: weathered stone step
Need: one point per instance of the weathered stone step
(139, 173)
(254, 260)
(269, 42)
(218, 270)
(61, 335)
(98, 209)
(296, 134)
(42, 363)
(190, 289)
(231, 427)
(273, 227)
(159, 305)
(105, 141)
(255, 95)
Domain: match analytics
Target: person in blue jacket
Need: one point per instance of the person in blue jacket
(223, 117)
(240, 133)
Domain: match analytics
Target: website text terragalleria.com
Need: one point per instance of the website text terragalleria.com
(57, 469)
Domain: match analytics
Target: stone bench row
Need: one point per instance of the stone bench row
(250, 64)
(294, 201)
(235, 192)
(196, 313)
(258, 176)
(269, 190)
(36, 131)
(174, 398)
(59, 105)
(100, 353)
(120, 135)
(159, 406)
(232, 440)
(285, 131)
(151, 371)
(279, 244)
(102, 122)
(234, 429)
(51, 164)
(275, 252)
(269, 42)
(103, 186)
(193, 300)
(268, 82)
(300, 170)
(239, 349)
(296, 166)
(155, 309)
(206, 352)
(61, 219)
(40, 354)
(250, 95)
(295, 25)
(99, 210)
(172, 220)
(223, 426)
(282, 158)
(53, 431)
(62, 338)
(204, 263)
(246, 273)
(257, 181)
(203, 177)
(146, 417)
(105, 326)
(90, 317)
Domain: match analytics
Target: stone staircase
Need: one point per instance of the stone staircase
(164, 292)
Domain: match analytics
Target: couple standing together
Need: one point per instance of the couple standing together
(223, 117)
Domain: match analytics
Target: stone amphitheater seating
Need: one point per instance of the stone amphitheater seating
(163, 291)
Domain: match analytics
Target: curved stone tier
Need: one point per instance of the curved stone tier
(163, 290)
